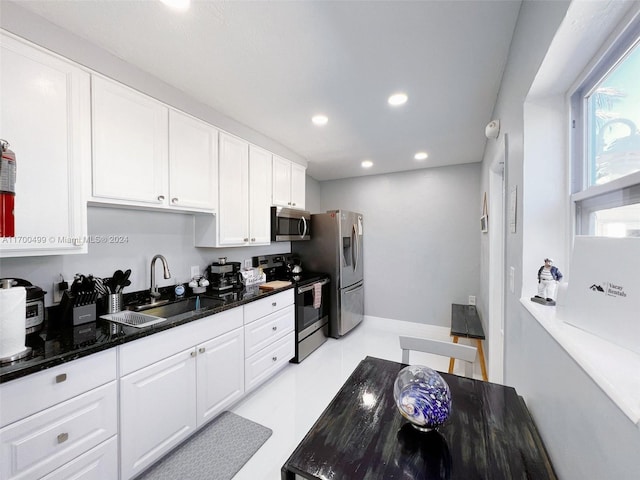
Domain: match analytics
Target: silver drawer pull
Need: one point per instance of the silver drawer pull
(193, 353)
(61, 378)
(274, 328)
(275, 359)
(201, 349)
(63, 437)
(161, 198)
(273, 304)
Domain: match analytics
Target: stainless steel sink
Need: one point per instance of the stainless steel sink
(182, 308)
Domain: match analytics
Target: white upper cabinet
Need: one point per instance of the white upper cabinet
(244, 216)
(193, 162)
(298, 185)
(259, 196)
(288, 183)
(45, 115)
(148, 155)
(130, 138)
(234, 191)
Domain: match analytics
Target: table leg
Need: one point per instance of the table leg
(483, 367)
(452, 361)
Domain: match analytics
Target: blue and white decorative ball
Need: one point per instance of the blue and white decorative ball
(422, 396)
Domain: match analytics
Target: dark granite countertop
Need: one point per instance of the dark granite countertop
(55, 345)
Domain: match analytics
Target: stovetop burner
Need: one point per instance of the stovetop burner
(276, 267)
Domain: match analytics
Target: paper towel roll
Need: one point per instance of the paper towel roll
(13, 304)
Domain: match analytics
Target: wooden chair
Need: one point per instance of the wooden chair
(437, 347)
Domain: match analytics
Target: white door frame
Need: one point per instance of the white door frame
(497, 263)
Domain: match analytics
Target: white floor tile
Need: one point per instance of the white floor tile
(291, 402)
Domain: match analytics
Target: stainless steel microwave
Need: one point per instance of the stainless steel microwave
(289, 224)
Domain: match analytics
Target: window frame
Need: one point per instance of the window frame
(586, 198)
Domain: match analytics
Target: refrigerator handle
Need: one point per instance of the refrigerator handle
(355, 253)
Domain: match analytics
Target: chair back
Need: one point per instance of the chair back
(465, 353)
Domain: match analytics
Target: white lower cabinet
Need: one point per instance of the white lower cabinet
(47, 440)
(220, 372)
(269, 326)
(264, 364)
(51, 418)
(173, 394)
(158, 410)
(99, 463)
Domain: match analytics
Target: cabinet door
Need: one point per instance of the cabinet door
(264, 364)
(37, 445)
(45, 114)
(193, 163)
(234, 191)
(281, 182)
(129, 145)
(298, 190)
(267, 330)
(220, 374)
(100, 463)
(259, 196)
(157, 410)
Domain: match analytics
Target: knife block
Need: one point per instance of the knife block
(78, 309)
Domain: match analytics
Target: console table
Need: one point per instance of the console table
(465, 322)
(361, 435)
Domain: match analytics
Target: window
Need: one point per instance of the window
(606, 145)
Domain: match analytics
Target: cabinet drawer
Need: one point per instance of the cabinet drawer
(265, 306)
(24, 396)
(265, 363)
(47, 440)
(265, 331)
(99, 463)
(142, 353)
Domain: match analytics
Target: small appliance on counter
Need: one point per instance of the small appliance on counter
(224, 276)
(78, 305)
(35, 312)
(12, 322)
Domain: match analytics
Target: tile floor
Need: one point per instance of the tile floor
(291, 401)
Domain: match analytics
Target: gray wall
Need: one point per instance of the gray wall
(312, 200)
(421, 243)
(586, 434)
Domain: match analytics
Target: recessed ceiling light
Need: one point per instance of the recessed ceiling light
(398, 99)
(367, 164)
(177, 4)
(421, 156)
(320, 119)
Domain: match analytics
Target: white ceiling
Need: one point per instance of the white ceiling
(271, 65)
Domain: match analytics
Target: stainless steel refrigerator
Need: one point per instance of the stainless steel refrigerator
(336, 248)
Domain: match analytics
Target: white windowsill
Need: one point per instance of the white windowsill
(615, 369)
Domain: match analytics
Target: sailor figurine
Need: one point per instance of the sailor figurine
(548, 278)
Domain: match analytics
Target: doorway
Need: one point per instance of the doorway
(497, 262)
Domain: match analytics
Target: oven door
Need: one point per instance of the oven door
(311, 312)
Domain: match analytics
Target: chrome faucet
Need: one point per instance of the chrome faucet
(153, 291)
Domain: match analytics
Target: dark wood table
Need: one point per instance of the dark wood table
(465, 322)
(361, 435)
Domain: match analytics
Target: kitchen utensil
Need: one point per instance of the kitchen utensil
(274, 285)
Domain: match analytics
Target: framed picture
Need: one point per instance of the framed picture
(484, 219)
